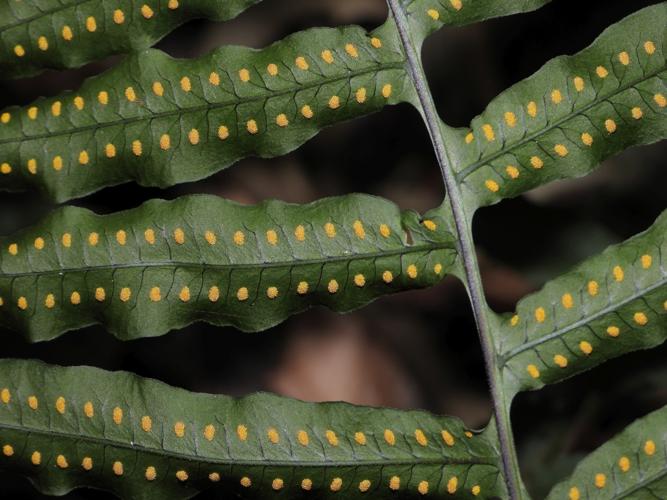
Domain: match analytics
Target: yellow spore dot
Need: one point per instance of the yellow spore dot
(457, 4)
(75, 298)
(336, 484)
(649, 47)
(610, 125)
(39, 243)
(640, 318)
(61, 405)
(251, 127)
(210, 237)
(184, 294)
(67, 33)
(146, 423)
(79, 103)
(33, 402)
(61, 462)
(624, 58)
(364, 485)
(307, 112)
(32, 166)
(302, 288)
(6, 168)
(385, 230)
(600, 480)
(587, 139)
(386, 90)
(121, 237)
(567, 301)
(244, 75)
(130, 94)
(179, 429)
(214, 78)
(87, 463)
(646, 261)
(193, 136)
(593, 288)
(155, 295)
(334, 102)
(536, 162)
(117, 415)
(452, 485)
(433, 14)
(613, 331)
(89, 409)
(7, 450)
(540, 315)
(360, 438)
(394, 483)
(488, 132)
(376, 42)
(556, 96)
(327, 56)
(137, 148)
(306, 484)
(165, 142)
(158, 89)
(359, 230)
(579, 83)
(560, 360)
(624, 464)
(533, 371)
(330, 230)
(469, 137)
(412, 271)
(389, 437)
(430, 225)
(272, 292)
(146, 11)
(476, 490)
(277, 484)
(300, 233)
(36, 458)
(242, 294)
(491, 185)
(332, 286)
(447, 438)
(246, 482)
(209, 432)
(649, 448)
(32, 112)
(515, 320)
(637, 113)
(22, 303)
(13, 249)
(282, 120)
(223, 132)
(512, 171)
(420, 437)
(618, 273)
(100, 294)
(272, 69)
(239, 238)
(437, 268)
(84, 158)
(117, 468)
(272, 237)
(110, 150)
(91, 24)
(422, 487)
(331, 437)
(387, 277)
(172, 4)
(150, 474)
(149, 236)
(186, 84)
(351, 50)
(5, 395)
(179, 236)
(660, 100)
(118, 16)
(601, 71)
(56, 108)
(359, 280)
(561, 150)
(5, 117)
(302, 438)
(273, 435)
(585, 347)
(301, 63)
(242, 432)
(510, 119)
(43, 43)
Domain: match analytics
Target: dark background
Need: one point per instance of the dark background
(417, 349)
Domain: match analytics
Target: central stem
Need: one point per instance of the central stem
(501, 403)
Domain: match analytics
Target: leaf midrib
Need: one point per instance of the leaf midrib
(460, 176)
(355, 462)
(193, 109)
(253, 265)
(642, 484)
(581, 322)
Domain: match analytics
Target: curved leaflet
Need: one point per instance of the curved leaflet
(161, 121)
(55, 34)
(573, 113)
(631, 465)
(607, 306)
(166, 264)
(139, 438)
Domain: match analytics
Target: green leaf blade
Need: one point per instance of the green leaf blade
(572, 114)
(57, 35)
(609, 305)
(144, 439)
(630, 465)
(166, 264)
(160, 121)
